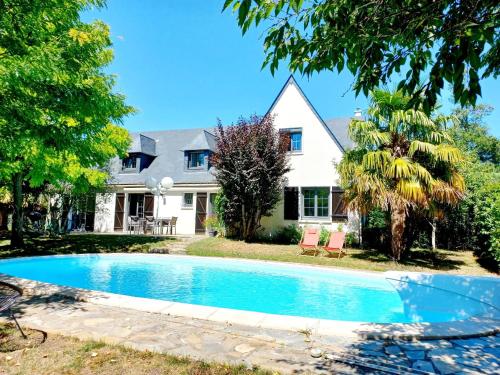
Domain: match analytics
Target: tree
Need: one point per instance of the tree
(58, 111)
(474, 224)
(453, 41)
(470, 133)
(251, 161)
(403, 162)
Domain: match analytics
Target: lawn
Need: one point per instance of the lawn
(83, 243)
(462, 262)
(63, 355)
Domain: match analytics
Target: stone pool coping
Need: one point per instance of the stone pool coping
(471, 327)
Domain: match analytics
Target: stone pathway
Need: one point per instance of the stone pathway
(178, 247)
(284, 351)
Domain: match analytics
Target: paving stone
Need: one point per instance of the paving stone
(493, 351)
(446, 365)
(415, 355)
(471, 343)
(372, 353)
(424, 345)
(393, 350)
(372, 346)
(423, 366)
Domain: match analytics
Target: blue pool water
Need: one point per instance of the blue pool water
(254, 286)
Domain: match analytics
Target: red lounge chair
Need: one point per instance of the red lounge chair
(335, 243)
(309, 241)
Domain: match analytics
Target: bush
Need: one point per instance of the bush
(291, 234)
(323, 236)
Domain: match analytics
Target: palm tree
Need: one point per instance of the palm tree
(403, 160)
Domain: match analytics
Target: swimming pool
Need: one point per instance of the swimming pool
(265, 287)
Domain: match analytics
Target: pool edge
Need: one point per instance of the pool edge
(471, 327)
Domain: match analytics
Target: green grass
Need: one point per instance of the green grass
(63, 355)
(463, 262)
(83, 243)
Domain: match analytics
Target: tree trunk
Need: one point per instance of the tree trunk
(398, 218)
(433, 234)
(16, 239)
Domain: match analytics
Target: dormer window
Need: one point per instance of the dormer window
(196, 160)
(129, 163)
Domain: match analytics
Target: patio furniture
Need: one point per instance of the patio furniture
(335, 244)
(309, 241)
(8, 295)
(133, 224)
(173, 225)
(151, 223)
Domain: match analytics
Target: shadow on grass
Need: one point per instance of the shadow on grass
(437, 260)
(82, 243)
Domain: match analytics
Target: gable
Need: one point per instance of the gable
(291, 102)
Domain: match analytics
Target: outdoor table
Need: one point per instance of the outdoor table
(164, 221)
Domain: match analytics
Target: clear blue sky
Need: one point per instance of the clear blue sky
(183, 64)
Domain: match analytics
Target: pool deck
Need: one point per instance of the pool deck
(286, 351)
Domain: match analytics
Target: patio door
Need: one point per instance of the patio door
(149, 204)
(119, 211)
(201, 212)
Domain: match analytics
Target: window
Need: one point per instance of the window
(316, 202)
(295, 136)
(188, 200)
(129, 163)
(196, 159)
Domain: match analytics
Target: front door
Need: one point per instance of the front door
(201, 212)
(119, 210)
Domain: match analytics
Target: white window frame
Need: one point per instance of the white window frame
(303, 208)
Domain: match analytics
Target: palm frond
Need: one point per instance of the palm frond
(421, 147)
(376, 159)
(400, 168)
(443, 192)
(411, 190)
(447, 153)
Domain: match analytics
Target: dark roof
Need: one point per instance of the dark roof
(143, 144)
(170, 146)
(340, 127)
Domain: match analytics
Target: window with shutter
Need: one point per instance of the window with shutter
(339, 210)
(291, 203)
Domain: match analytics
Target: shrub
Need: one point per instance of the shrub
(291, 234)
(323, 236)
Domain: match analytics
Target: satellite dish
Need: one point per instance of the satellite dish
(167, 182)
(151, 182)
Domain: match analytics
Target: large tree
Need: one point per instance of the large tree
(403, 161)
(430, 41)
(251, 161)
(58, 111)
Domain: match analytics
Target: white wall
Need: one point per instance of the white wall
(105, 212)
(314, 166)
(170, 205)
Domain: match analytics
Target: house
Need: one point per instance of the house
(311, 195)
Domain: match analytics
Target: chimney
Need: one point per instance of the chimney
(357, 113)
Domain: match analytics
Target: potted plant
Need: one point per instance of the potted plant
(212, 225)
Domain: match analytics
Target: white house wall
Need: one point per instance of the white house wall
(314, 166)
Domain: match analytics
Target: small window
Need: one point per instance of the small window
(129, 163)
(316, 201)
(188, 200)
(196, 159)
(295, 137)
